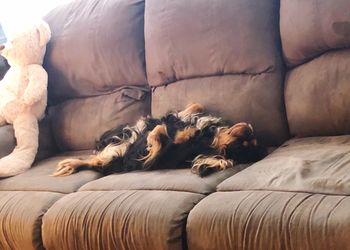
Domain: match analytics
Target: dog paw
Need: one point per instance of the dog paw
(67, 167)
(244, 132)
(241, 129)
(206, 165)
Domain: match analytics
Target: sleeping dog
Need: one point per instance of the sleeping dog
(190, 138)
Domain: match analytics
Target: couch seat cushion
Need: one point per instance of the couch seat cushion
(38, 177)
(269, 220)
(315, 164)
(169, 179)
(21, 216)
(119, 220)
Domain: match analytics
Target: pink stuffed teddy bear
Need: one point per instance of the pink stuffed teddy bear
(23, 95)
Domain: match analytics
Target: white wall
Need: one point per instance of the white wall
(14, 14)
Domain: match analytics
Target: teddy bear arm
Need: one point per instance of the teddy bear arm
(37, 86)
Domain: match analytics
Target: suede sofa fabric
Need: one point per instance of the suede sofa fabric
(217, 60)
(315, 39)
(21, 217)
(269, 220)
(135, 210)
(47, 145)
(8, 140)
(313, 165)
(235, 98)
(310, 28)
(316, 96)
(231, 57)
(167, 180)
(38, 177)
(119, 220)
(96, 47)
(220, 38)
(77, 124)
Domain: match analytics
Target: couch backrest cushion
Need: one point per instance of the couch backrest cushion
(310, 28)
(96, 47)
(224, 54)
(315, 35)
(78, 123)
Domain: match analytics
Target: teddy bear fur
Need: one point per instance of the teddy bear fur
(23, 94)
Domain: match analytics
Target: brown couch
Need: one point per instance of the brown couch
(282, 65)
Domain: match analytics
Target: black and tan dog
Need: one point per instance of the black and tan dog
(190, 138)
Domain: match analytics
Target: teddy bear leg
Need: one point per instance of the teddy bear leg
(2, 121)
(22, 157)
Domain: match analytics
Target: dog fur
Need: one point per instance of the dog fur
(190, 138)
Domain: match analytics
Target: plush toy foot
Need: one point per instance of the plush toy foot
(22, 157)
(14, 164)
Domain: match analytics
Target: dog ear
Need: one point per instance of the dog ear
(44, 33)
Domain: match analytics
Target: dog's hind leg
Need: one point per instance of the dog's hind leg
(99, 162)
(105, 160)
(226, 136)
(184, 135)
(154, 144)
(204, 165)
(193, 108)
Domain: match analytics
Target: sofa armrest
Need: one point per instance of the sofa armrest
(47, 145)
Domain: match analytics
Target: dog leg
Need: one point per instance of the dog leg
(154, 143)
(226, 136)
(102, 160)
(191, 109)
(96, 162)
(205, 165)
(184, 135)
(121, 134)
